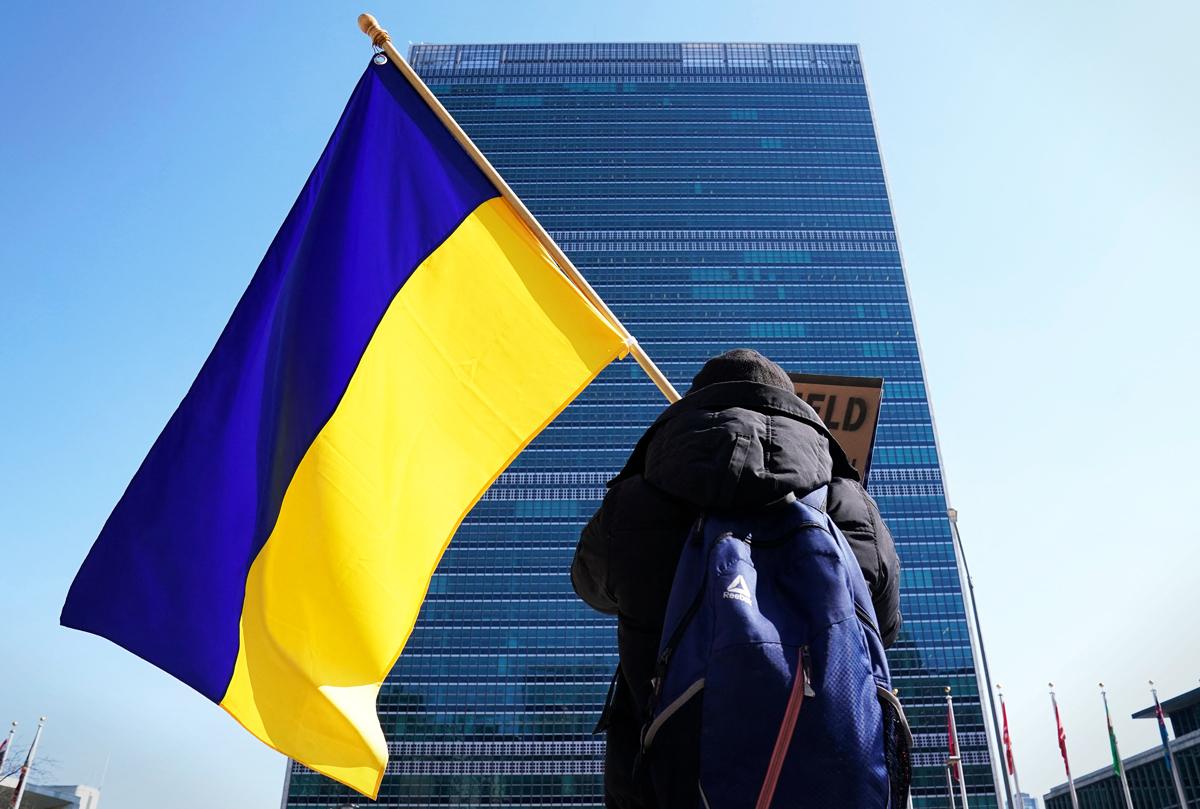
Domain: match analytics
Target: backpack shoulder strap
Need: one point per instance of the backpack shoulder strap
(817, 498)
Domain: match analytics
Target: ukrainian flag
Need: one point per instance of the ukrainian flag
(404, 338)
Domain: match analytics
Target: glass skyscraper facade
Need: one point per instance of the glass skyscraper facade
(716, 196)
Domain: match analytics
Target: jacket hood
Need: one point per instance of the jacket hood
(734, 445)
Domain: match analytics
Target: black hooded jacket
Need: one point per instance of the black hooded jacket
(725, 447)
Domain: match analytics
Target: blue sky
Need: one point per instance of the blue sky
(1043, 167)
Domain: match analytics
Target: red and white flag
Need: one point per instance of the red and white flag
(952, 739)
(6, 748)
(20, 790)
(1062, 737)
(21, 781)
(1008, 753)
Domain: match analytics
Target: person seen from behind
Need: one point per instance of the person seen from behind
(740, 440)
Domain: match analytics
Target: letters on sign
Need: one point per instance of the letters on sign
(849, 406)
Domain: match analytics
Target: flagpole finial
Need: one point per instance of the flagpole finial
(947, 689)
(370, 26)
(1151, 683)
(1100, 684)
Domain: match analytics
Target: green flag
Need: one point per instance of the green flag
(1112, 740)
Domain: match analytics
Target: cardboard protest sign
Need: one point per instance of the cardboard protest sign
(849, 406)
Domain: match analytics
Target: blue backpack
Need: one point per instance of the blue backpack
(771, 658)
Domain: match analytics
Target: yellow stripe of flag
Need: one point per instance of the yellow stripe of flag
(484, 345)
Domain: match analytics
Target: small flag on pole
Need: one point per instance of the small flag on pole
(954, 761)
(1162, 731)
(1062, 746)
(23, 778)
(1008, 746)
(1118, 765)
(1168, 756)
(1062, 741)
(1112, 740)
(952, 741)
(1008, 751)
(405, 337)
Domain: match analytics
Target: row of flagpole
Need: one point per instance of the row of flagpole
(954, 757)
(954, 760)
(23, 779)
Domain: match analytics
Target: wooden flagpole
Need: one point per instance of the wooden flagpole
(383, 41)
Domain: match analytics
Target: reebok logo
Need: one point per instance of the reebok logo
(738, 590)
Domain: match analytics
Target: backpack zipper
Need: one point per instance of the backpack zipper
(806, 667)
(866, 618)
(770, 543)
(660, 669)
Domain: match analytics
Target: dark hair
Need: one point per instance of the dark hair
(741, 365)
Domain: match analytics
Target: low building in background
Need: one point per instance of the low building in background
(1026, 801)
(1150, 782)
(73, 796)
(1183, 712)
